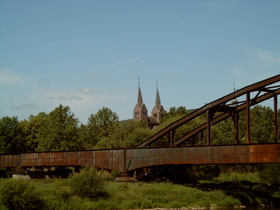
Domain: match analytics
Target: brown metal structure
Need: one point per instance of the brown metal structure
(223, 108)
(128, 159)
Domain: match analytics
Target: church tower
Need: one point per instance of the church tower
(158, 109)
(140, 111)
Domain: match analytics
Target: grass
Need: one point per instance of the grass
(57, 194)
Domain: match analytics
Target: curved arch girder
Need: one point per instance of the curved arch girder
(227, 106)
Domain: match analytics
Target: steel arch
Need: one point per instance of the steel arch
(227, 106)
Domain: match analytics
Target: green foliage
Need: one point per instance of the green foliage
(101, 125)
(129, 133)
(173, 112)
(88, 183)
(228, 201)
(163, 195)
(58, 194)
(59, 131)
(262, 125)
(223, 132)
(12, 136)
(238, 177)
(269, 174)
(172, 116)
(19, 194)
(106, 120)
(276, 198)
(34, 129)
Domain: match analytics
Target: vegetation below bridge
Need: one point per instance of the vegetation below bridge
(196, 186)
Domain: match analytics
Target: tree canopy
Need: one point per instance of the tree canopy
(60, 130)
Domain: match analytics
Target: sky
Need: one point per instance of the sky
(89, 54)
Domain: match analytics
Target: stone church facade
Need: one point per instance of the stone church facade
(140, 111)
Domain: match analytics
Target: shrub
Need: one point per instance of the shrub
(88, 183)
(228, 202)
(115, 174)
(63, 192)
(19, 194)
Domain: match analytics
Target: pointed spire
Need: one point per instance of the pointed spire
(157, 96)
(140, 99)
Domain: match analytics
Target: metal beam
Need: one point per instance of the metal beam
(209, 125)
(171, 138)
(201, 138)
(236, 126)
(275, 119)
(259, 86)
(223, 116)
(248, 119)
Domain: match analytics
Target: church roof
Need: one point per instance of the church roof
(141, 106)
(157, 98)
(140, 103)
(158, 105)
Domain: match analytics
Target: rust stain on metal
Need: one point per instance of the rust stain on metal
(133, 158)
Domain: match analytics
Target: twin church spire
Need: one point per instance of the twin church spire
(140, 111)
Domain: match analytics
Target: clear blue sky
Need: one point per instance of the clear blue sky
(88, 54)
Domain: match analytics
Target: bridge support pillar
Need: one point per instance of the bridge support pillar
(275, 119)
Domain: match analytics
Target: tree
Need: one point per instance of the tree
(174, 112)
(12, 136)
(59, 131)
(33, 129)
(106, 120)
(262, 126)
(128, 134)
(269, 174)
(102, 124)
(223, 132)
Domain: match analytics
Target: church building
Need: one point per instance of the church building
(140, 111)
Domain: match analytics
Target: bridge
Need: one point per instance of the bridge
(177, 149)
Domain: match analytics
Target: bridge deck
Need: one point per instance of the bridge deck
(132, 158)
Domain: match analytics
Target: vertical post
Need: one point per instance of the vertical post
(236, 126)
(248, 119)
(201, 138)
(275, 119)
(171, 138)
(209, 123)
(124, 160)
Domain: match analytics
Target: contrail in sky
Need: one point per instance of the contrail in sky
(120, 63)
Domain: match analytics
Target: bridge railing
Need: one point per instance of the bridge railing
(128, 159)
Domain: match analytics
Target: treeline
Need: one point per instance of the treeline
(60, 130)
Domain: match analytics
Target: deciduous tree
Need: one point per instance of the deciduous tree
(100, 125)
(12, 136)
(59, 131)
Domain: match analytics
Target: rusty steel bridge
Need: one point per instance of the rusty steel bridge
(176, 151)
